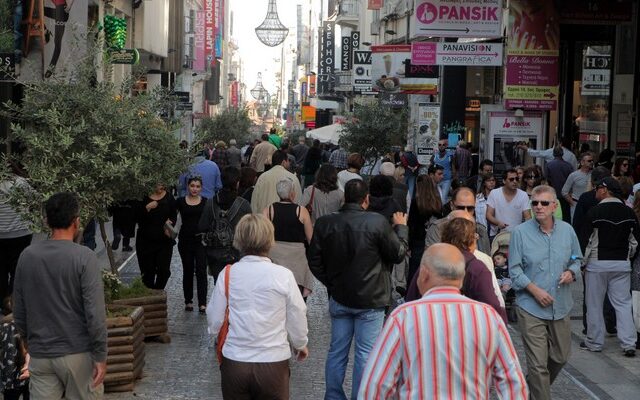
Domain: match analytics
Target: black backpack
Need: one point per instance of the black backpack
(218, 240)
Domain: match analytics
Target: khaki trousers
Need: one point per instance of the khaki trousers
(547, 345)
(70, 375)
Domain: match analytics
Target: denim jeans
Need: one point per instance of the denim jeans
(410, 181)
(445, 186)
(346, 322)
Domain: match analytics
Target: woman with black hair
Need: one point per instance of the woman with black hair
(190, 245)
(324, 196)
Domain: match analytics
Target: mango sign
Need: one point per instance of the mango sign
(457, 18)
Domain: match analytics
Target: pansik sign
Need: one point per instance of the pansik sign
(464, 54)
(505, 124)
(457, 18)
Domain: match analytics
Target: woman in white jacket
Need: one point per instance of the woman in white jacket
(267, 317)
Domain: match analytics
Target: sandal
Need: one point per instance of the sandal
(202, 310)
(188, 307)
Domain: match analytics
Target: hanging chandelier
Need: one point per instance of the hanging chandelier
(258, 92)
(271, 32)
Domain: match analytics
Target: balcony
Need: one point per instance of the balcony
(348, 13)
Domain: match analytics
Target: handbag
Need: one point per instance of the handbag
(309, 205)
(224, 329)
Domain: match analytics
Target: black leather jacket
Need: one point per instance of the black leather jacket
(352, 253)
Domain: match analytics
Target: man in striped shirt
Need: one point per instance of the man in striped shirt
(445, 345)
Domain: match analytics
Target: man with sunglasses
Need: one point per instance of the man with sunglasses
(609, 238)
(507, 206)
(463, 199)
(544, 259)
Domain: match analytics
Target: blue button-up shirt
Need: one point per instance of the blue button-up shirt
(540, 258)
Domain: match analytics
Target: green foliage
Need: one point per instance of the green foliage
(7, 40)
(135, 289)
(371, 130)
(229, 124)
(120, 312)
(91, 138)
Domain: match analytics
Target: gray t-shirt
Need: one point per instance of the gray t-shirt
(576, 184)
(59, 300)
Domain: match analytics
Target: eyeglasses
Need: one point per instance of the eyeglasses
(512, 179)
(466, 208)
(544, 203)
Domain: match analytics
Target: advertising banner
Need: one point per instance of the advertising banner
(361, 71)
(312, 86)
(596, 72)
(457, 18)
(209, 29)
(234, 94)
(428, 131)
(326, 80)
(595, 12)
(198, 44)
(504, 123)
(219, 11)
(465, 54)
(345, 58)
(375, 4)
(531, 69)
(308, 113)
(388, 69)
(355, 40)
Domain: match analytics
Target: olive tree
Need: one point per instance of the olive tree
(229, 124)
(94, 139)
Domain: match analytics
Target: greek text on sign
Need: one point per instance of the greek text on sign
(469, 54)
(458, 18)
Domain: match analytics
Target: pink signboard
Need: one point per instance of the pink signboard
(209, 28)
(423, 53)
(198, 50)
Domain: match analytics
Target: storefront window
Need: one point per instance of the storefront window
(591, 91)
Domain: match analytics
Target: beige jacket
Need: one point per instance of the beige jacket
(265, 194)
(261, 155)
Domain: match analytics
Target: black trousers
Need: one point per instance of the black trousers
(414, 261)
(10, 250)
(154, 260)
(14, 394)
(194, 260)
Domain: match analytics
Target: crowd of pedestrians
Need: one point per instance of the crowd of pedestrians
(424, 265)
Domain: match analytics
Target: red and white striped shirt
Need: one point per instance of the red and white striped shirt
(443, 346)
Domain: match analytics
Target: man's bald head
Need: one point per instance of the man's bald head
(442, 265)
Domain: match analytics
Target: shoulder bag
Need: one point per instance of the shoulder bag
(309, 205)
(224, 329)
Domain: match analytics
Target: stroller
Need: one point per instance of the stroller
(501, 244)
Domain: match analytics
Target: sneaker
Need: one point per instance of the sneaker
(612, 332)
(127, 248)
(583, 346)
(629, 353)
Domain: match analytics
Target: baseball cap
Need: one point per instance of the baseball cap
(611, 184)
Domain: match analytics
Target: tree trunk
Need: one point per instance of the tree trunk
(107, 246)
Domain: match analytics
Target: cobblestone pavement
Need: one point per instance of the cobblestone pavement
(187, 369)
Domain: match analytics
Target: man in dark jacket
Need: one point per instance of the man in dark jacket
(609, 238)
(351, 253)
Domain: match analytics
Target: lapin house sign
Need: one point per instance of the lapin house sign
(209, 29)
(458, 18)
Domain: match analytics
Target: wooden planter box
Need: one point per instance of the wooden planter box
(155, 313)
(125, 349)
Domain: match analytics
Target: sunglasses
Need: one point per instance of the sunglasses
(512, 179)
(544, 203)
(466, 208)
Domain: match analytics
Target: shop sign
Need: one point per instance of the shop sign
(463, 54)
(506, 124)
(388, 68)
(219, 20)
(209, 28)
(345, 59)
(458, 18)
(355, 40)
(326, 81)
(308, 113)
(394, 100)
(531, 68)
(361, 71)
(596, 74)
(420, 71)
(428, 131)
(7, 66)
(234, 94)
(198, 41)
(598, 12)
(375, 4)
(124, 56)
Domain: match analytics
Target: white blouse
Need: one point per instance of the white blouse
(265, 306)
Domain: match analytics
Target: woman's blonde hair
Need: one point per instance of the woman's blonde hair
(254, 235)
